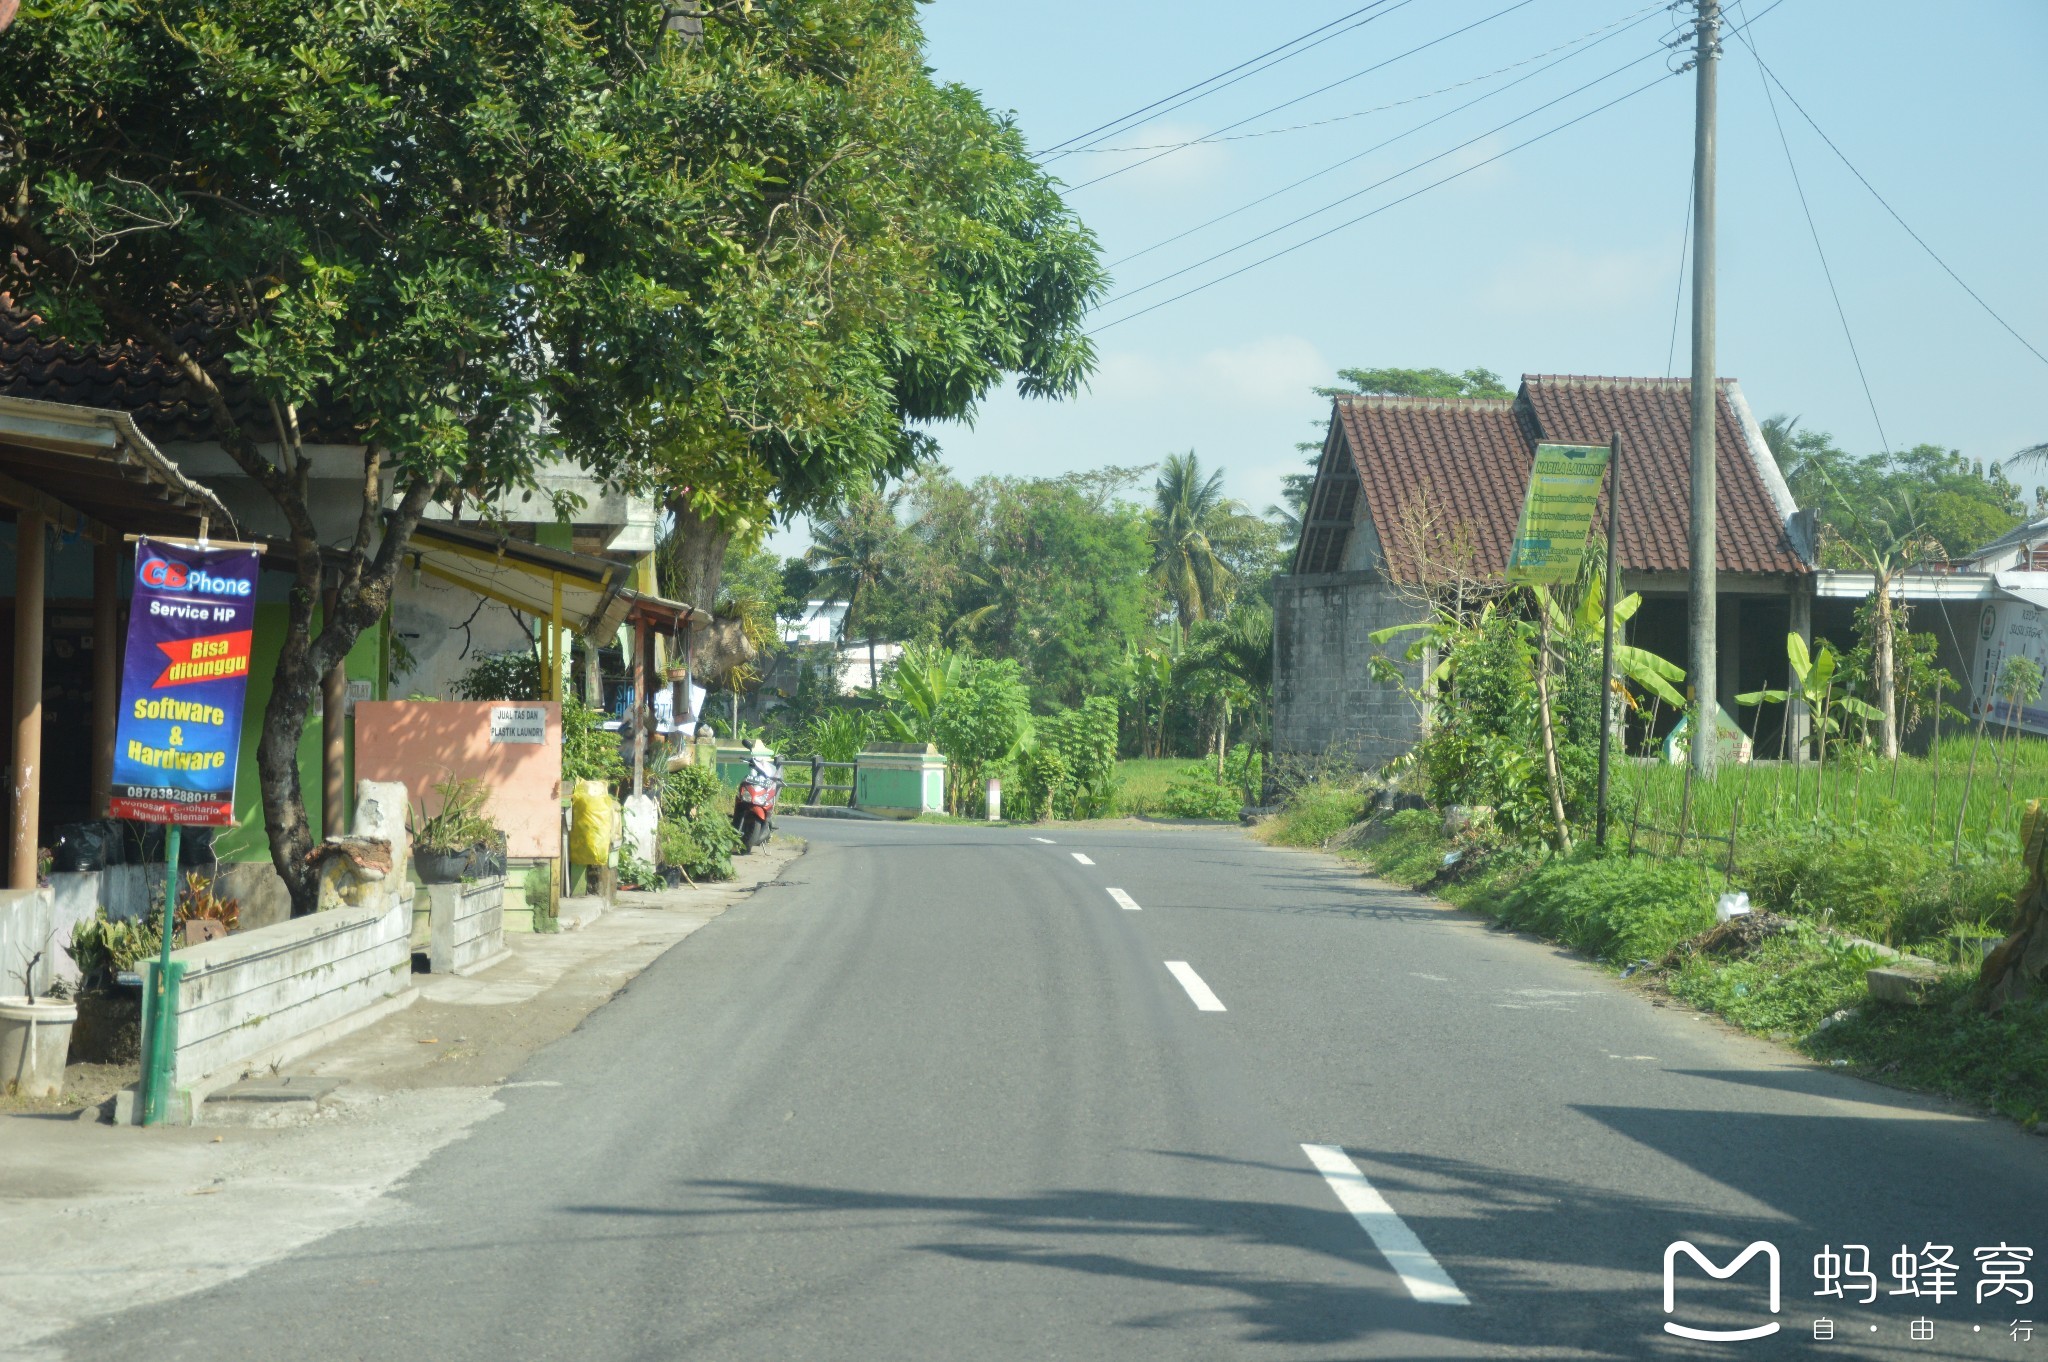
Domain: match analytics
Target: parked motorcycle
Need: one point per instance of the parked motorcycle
(753, 810)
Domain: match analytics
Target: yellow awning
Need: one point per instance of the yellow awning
(593, 596)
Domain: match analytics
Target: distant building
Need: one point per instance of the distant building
(1412, 489)
(820, 622)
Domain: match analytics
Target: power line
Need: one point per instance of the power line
(1331, 231)
(1918, 239)
(1678, 294)
(1323, 89)
(1356, 193)
(1814, 230)
(1378, 146)
(1639, 15)
(1116, 122)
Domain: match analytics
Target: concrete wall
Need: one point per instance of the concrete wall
(466, 925)
(252, 992)
(1323, 697)
(40, 920)
(420, 742)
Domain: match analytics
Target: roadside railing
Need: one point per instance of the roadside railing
(818, 786)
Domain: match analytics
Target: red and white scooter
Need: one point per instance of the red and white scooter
(753, 811)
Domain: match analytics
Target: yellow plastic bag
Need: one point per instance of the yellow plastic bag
(593, 823)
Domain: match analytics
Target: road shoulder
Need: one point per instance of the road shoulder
(104, 1218)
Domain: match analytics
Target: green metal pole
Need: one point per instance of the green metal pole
(156, 1073)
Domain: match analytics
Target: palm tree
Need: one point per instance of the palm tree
(1189, 514)
(857, 553)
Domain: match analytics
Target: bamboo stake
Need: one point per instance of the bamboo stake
(1564, 837)
(1969, 777)
(1934, 795)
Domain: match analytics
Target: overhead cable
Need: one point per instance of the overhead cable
(1678, 293)
(1918, 239)
(1813, 230)
(1197, 86)
(1321, 89)
(1377, 146)
(1381, 108)
(1352, 222)
(1357, 193)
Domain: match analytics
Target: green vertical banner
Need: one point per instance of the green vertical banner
(1550, 538)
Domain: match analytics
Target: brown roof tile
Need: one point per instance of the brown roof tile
(132, 378)
(1467, 459)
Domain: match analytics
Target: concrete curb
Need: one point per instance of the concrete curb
(835, 811)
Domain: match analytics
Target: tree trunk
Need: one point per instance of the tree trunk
(361, 597)
(874, 680)
(1887, 683)
(2020, 963)
(697, 562)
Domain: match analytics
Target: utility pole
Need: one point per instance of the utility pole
(1702, 592)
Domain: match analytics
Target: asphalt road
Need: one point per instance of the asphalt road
(942, 1094)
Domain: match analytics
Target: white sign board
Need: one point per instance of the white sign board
(518, 723)
(2011, 628)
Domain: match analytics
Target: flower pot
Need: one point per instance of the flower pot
(35, 1041)
(441, 867)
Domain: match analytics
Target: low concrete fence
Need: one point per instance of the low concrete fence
(38, 922)
(466, 925)
(259, 993)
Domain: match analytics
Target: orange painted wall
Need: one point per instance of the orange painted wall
(421, 742)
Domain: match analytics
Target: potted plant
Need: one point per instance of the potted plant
(456, 840)
(35, 1038)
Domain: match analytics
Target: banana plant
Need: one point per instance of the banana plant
(915, 690)
(1813, 682)
(1637, 666)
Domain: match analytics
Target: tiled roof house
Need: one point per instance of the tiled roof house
(1409, 489)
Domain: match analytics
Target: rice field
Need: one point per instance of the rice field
(1916, 797)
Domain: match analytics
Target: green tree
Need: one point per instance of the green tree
(882, 252)
(1416, 383)
(857, 552)
(339, 225)
(1188, 509)
(985, 716)
(1056, 583)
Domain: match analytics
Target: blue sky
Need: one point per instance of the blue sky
(1562, 257)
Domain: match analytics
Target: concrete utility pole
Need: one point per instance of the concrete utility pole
(1702, 593)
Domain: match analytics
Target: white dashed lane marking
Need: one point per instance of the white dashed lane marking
(1082, 859)
(1205, 997)
(1124, 901)
(1417, 1268)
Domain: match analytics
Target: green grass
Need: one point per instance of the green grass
(1915, 797)
(1868, 847)
(1142, 785)
(1621, 910)
(1316, 813)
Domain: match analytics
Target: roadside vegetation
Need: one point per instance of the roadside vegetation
(1897, 835)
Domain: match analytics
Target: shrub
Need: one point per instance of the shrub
(696, 832)
(590, 751)
(102, 947)
(635, 873)
(1790, 984)
(984, 716)
(1319, 810)
(701, 847)
(500, 676)
(1195, 794)
(1618, 908)
(1068, 767)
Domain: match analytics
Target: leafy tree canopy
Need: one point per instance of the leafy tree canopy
(1416, 383)
(1958, 503)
